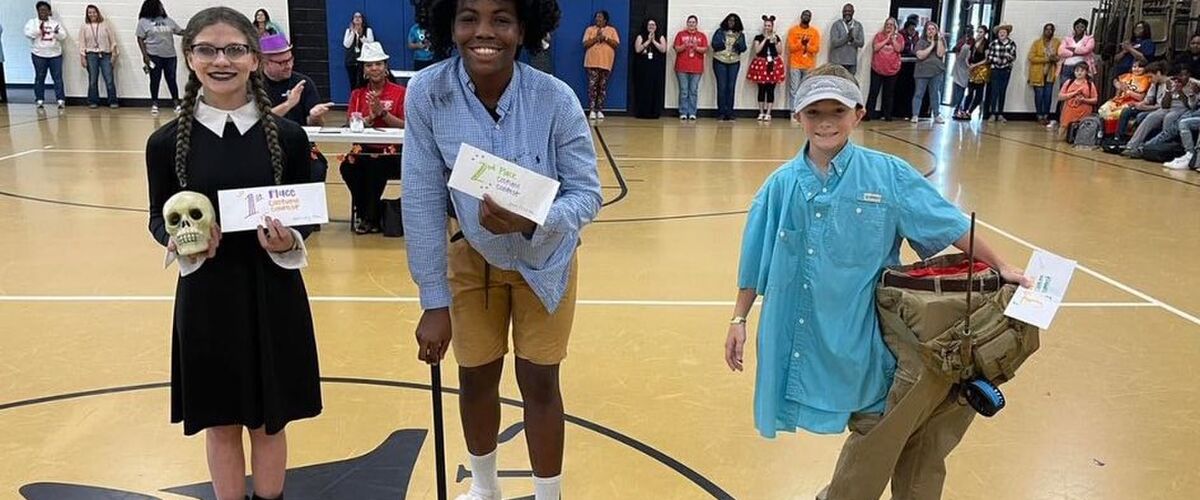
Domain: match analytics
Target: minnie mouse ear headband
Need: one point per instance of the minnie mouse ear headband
(768, 18)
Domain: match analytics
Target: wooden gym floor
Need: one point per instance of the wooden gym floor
(1106, 410)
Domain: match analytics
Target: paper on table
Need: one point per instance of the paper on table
(1051, 275)
(292, 205)
(516, 188)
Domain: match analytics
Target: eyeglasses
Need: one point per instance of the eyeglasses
(208, 53)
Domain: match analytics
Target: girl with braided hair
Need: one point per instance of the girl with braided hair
(243, 352)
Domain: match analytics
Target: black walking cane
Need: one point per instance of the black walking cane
(439, 440)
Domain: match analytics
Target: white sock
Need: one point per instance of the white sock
(547, 488)
(485, 480)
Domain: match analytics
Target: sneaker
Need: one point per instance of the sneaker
(915, 119)
(178, 109)
(1182, 163)
(1052, 124)
(760, 117)
(475, 495)
(683, 118)
(767, 117)
(113, 106)
(592, 115)
(62, 104)
(691, 118)
(41, 104)
(93, 106)
(154, 109)
(939, 119)
(1002, 119)
(599, 115)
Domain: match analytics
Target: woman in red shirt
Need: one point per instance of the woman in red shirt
(367, 167)
(885, 66)
(690, 47)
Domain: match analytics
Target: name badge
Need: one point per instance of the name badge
(872, 197)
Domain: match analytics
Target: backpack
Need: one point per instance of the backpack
(1087, 132)
(391, 220)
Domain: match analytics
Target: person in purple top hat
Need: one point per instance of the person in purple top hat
(293, 95)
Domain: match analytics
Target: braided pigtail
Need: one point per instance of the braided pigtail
(183, 135)
(258, 91)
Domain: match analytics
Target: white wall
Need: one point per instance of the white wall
(1027, 18)
(871, 13)
(131, 81)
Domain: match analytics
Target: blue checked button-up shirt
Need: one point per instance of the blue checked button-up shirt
(542, 128)
(814, 248)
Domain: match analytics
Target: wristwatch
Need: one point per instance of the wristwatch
(738, 320)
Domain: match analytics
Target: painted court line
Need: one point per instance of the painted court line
(413, 300)
(1126, 288)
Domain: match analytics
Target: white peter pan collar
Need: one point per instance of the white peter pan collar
(215, 119)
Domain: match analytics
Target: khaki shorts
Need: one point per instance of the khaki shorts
(480, 313)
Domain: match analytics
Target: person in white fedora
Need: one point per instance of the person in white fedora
(367, 167)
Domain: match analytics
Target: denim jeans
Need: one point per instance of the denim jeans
(934, 84)
(997, 92)
(689, 84)
(1042, 97)
(795, 76)
(55, 66)
(727, 77)
(99, 64)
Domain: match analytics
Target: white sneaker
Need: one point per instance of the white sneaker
(1187, 157)
(62, 104)
(683, 118)
(1052, 124)
(1002, 119)
(939, 119)
(691, 118)
(592, 115)
(474, 495)
(761, 117)
(154, 109)
(915, 119)
(41, 104)
(1182, 163)
(599, 115)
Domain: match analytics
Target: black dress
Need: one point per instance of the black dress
(242, 350)
(649, 76)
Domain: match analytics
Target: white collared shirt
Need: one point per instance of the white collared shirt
(215, 119)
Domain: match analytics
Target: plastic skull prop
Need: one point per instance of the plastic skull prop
(190, 217)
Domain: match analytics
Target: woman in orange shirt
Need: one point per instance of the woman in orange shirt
(601, 41)
(1079, 95)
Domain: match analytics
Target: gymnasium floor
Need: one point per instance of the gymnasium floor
(1106, 410)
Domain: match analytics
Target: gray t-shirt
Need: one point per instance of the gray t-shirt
(159, 34)
(932, 66)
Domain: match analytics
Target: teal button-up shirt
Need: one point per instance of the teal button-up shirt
(814, 247)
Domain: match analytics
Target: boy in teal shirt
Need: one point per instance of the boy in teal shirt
(819, 232)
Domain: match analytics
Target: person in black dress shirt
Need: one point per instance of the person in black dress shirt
(243, 352)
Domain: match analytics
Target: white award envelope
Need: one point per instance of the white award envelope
(292, 205)
(1051, 274)
(517, 189)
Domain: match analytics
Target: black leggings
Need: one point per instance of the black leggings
(366, 179)
(887, 84)
(163, 67)
(975, 93)
(766, 92)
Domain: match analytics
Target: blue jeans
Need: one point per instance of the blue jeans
(997, 92)
(934, 84)
(727, 76)
(54, 65)
(1042, 97)
(689, 85)
(957, 97)
(100, 64)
